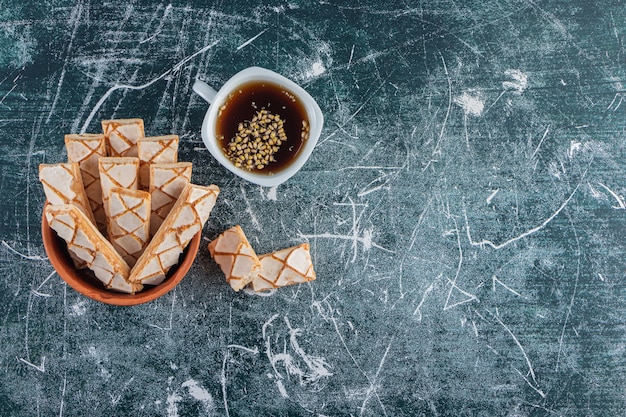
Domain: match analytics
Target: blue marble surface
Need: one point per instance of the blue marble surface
(464, 206)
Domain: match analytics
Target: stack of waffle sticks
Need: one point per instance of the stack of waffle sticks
(124, 204)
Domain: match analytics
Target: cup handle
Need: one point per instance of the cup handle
(205, 91)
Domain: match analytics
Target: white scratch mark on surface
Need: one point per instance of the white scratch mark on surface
(540, 142)
(171, 318)
(253, 218)
(571, 303)
(29, 257)
(594, 193)
(61, 406)
(574, 147)
(40, 294)
(519, 83)
(329, 316)
(380, 182)
(471, 105)
(437, 149)
(316, 367)
(621, 99)
(376, 167)
(197, 392)
(115, 399)
(468, 297)
(495, 280)
(79, 308)
(364, 237)
(272, 193)
(172, 404)
(159, 28)
(358, 110)
(521, 236)
(491, 196)
(413, 239)
(41, 367)
(223, 383)
(252, 39)
(254, 351)
(449, 109)
(495, 101)
(316, 70)
(281, 388)
(365, 240)
(620, 200)
(8, 93)
(75, 19)
(142, 86)
(534, 387)
(351, 56)
(37, 292)
(418, 309)
(453, 283)
(531, 371)
(373, 386)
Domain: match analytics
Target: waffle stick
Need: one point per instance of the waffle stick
(153, 150)
(63, 184)
(86, 242)
(129, 225)
(122, 135)
(284, 267)
(167, 181)
(86, 149)
(117, 172)
(186, 218)
(236, 257)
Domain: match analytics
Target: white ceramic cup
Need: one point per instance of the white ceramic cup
(217, 98)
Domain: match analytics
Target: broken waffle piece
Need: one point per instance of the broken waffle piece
(185, 220)
(63, 184)
(122, 135)
(154, 150)
(86, 149)
(284, 267)
(167, 181)
(129, 229)
(86, 242)
(236, 257)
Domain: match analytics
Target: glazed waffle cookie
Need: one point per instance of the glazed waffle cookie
(87, 243)
(155, 150)
(129, 228)
(86, 149)
(122, 135)
(232, 251)
(63, 184)
(120, 172)
(187, 217)
(284, 267)
(235, 256)
(167, 181)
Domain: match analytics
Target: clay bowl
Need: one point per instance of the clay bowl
(84, 281)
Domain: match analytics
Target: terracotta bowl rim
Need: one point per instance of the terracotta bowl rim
(59, 258)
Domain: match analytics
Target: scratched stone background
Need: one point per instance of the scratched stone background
(464, 208)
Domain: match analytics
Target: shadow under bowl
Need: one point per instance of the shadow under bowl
(85, 282)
